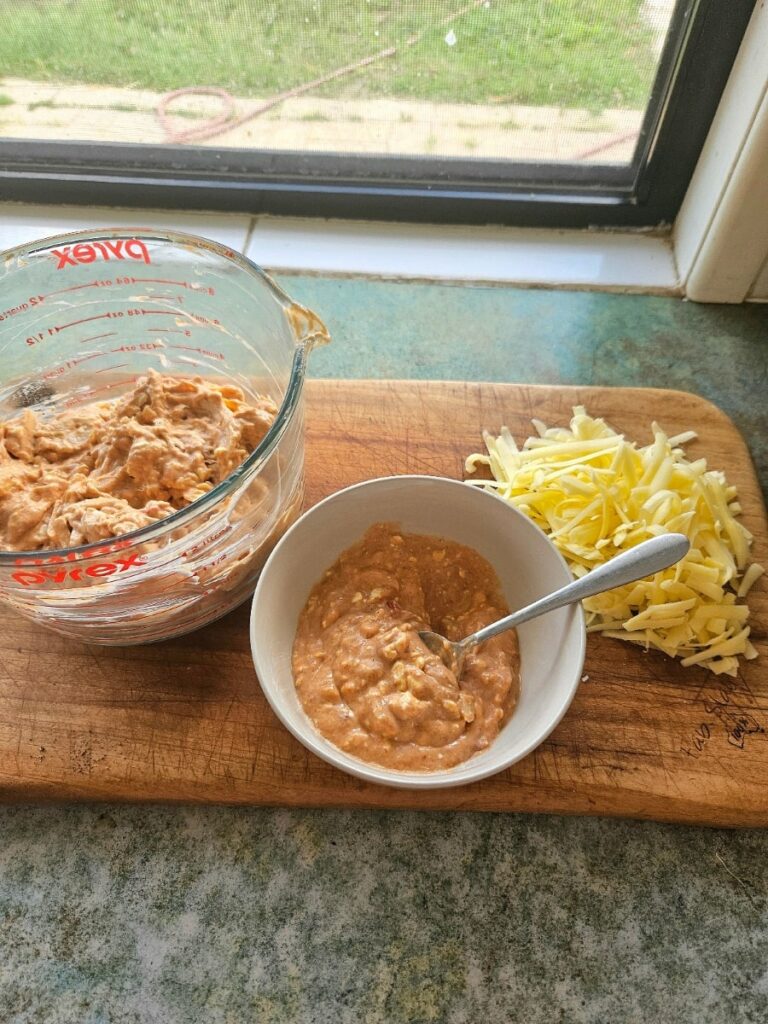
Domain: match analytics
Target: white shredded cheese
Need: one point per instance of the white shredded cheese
(595, 494)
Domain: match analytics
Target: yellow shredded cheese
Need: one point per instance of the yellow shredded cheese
(595, 494)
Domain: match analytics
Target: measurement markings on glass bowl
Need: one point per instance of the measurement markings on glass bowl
(115, 314)
(213, 562)
(192, 285)
(193, 319)
(22, 307)
(201, 351)
(38, 300)
(69, 364)
(174, 300)
(140, 346)
(205, 321)
(196, 548)
(97, 337)
(75, 288)
(94, 391)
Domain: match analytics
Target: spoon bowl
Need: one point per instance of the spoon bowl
(642, 560)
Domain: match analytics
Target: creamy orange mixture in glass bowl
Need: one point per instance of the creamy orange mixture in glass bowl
(366, 679)
(107, 468)
(151, 397)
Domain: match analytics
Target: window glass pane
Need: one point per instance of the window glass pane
(542, 81)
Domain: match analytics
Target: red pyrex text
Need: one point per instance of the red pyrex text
(34, 577)
(89, 252)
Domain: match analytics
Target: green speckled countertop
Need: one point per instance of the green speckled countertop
(154, 915)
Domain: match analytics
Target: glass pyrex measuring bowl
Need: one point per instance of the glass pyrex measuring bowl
(82, 316)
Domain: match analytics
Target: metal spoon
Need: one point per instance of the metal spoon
(643, 560)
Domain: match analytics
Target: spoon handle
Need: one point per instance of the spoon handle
(643, 560)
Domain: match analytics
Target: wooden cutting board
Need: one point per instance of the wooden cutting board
(186, 721)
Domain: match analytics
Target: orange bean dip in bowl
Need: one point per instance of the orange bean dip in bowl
(365, 678)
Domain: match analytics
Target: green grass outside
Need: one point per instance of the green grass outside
(574, 53)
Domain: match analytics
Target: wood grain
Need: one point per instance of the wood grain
(186, 721)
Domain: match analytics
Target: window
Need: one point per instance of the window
(559, 112)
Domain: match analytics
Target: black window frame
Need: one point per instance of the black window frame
(701, 47)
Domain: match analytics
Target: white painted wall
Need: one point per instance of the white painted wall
(721, 233)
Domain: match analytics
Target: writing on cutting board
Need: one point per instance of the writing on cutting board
(722, 709)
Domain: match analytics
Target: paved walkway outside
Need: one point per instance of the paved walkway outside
(37, 110)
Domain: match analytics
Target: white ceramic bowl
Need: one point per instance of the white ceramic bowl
(527, 564)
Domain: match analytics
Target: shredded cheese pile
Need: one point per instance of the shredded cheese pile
(596, 494)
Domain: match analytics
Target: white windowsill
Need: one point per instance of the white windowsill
(602, 261)
(523, 256)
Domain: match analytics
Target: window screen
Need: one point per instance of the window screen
(501, 101)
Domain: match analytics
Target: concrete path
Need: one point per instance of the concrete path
(39, 110)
